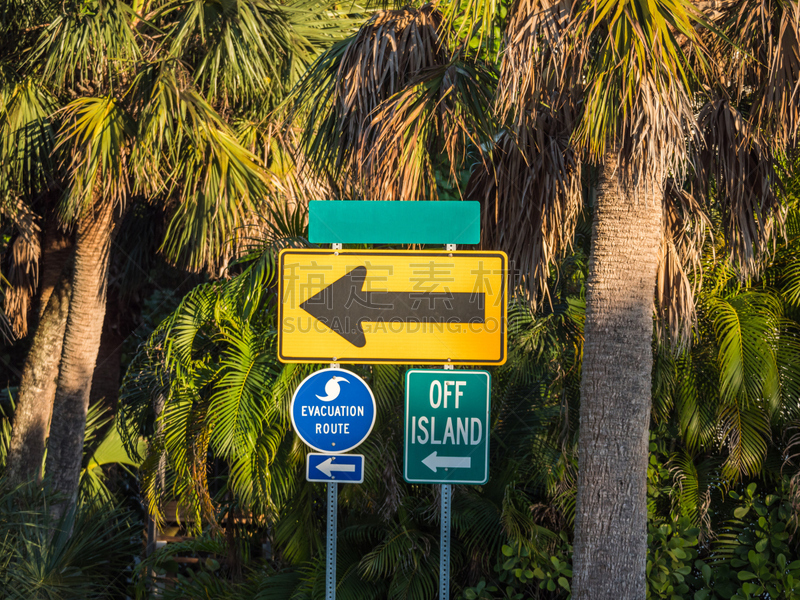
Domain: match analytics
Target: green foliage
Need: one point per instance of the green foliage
(202, 383)
(525, 571)
(754, 555)
(6, 410)
(102, 448)
(84, 555)
(669, 558)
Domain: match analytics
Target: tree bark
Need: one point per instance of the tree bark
(610, 547)
(81, 343)
(38, 386)
(106, 378)
(56, 252)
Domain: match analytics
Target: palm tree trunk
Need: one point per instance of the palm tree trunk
(37, 388)
(611, 513)
(81, 343)
(107, 372)
(56, 253)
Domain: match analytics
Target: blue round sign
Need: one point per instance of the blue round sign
(333, 410)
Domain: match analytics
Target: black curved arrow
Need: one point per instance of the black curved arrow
(344, 305)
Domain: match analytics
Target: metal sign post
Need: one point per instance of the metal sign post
(330, 559)
(444, 548)
(444, 518)
(333, 510)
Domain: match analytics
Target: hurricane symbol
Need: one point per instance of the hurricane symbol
(332, 389)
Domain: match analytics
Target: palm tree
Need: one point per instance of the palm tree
(653, 66)
(152, 100)
(667, 112)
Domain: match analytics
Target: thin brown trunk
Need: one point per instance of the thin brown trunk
(81, 343)
(106, 378)
(38, 386)
(56, 252)
(611, 511)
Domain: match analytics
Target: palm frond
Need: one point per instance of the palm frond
(540, 65)
(694, 482)
(277, 143)
(22, 268)
(685, 226)
(746, 433)
(221, 183)
(247, 367)
(747, 328)
(345, 87)
(28, 137)
(88, 49)
(85, 553)
(21, 22)
(404, 557)
(445, 110)
(474, 20)
(236, 48)
(531, 197)
(637, 99)
(313, 26)
(737, 167)
(694, 397)
(765, 73)
(95, 140)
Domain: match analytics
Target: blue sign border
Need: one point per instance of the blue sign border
(334, 480)
(326, 450)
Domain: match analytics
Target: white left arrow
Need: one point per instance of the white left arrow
(433, 462)
(327, 467)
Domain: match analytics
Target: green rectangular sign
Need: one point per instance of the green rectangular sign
(446, 426)
(393, 222)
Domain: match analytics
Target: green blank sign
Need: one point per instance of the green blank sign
(446, 437)
(393, 222)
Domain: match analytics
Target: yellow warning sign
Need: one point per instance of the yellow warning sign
(392, 306)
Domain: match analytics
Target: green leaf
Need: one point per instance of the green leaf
(562, 581)
(741, 511)
(745, 575)
(706, 571)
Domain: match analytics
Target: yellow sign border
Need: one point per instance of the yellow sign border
(404, 253)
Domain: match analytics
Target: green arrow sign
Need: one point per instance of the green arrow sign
(446, 426)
